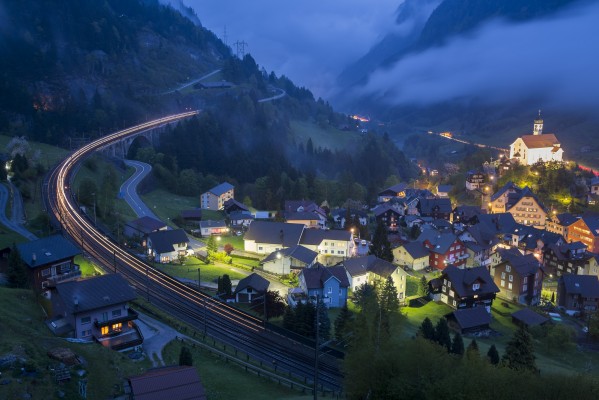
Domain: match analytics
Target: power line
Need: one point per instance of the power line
(240, 48)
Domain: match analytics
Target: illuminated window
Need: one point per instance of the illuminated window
(117, 327)
(104, 330)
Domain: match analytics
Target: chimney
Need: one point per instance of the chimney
(33, 258)
(76, 301)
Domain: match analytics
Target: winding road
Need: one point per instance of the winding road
(129, 189)
(15, 223)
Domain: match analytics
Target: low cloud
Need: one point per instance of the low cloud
(555, 59)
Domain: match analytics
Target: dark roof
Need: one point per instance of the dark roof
(316, 236)
(499, 223)
(482, 236)
(93, 293)
(592, 221)
(146, 224)
(221, 189)
(316, 277)
(462, 280)
(302, 206)
(253, 281)
(163, 241)
(416, 249)
(427, 206)
(514, 198)
(341, 213)
(394, 190)
(584, 285)
(47, 250)
(469, 318)
(232, 203)
(358, 265)
(192, 214)
(383, 208)
(382, 267)
(529, 318)
(172, 383)
(301, 216)
(444, 188)
(298, 252)
(213, 224)
(510, 186)
(566, 219)
(440, 241)
(237, 215)
(287, 235)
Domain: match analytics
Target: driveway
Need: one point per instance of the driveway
(156, 336)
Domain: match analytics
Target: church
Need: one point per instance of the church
(539, 146)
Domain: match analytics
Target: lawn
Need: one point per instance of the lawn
(330, 138)
(168, 206)
(236, 241)
(209, 272)
(415, 315)
(229, 381)
(8, 237)
(412, 284)
(87, 267)
(27, 337)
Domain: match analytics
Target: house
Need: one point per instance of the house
(504, 165)
(250, 288)
(543, 147)
(578, 292)
(191, 217)
(180, 382)
(284, 260)
(140, 228)
(389, 216)
(532, 240)
(528, 318)
(413, 255)
(444, 249)
(97, 309)
(240, 219)
(340, 215)
(215, 198)
(333, 245)
(308, 219)
(213, 85)
(480, 243)
(466, 215)
(523, 204)
(475, 180)
(394, 191)
(375, 271)
(443, 190)
(49, 260)
(585, 230)
(435, 208)
(567, 258)
(265, 237)
(232, 205)
(293, 206)
(519, 278)
(213, 228)
(560, 223)
(167, 246)
(468, 320)
(326, 284)
(465, 288)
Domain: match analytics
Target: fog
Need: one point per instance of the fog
(309, 41)
(556, 59)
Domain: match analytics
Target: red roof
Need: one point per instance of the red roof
(540, 141)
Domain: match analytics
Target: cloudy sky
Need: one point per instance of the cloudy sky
(309, 41)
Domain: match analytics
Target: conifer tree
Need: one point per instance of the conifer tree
(423, 287)
(519, 353)
(17, 270)
(472, 349)
(457, 346)
(185, 357)
(442, 334)
(342, 323)
(493, 355)
(427, 330)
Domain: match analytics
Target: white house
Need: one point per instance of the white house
(215, 198)
(167, 246)
(529, 149)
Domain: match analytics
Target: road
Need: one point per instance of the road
(281, 94)
(193, 82)
(129, 189)
(470, 143)
(16, 221)
(293, 358)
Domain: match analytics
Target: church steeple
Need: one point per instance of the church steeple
(538, 126)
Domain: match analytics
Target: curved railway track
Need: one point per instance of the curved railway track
(218, 320)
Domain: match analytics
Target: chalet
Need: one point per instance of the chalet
(466, 215)
(291, 258)
(585, 230)
(435, 208)
(465, 288)
(167, 246)
(532, 240)
(578, 292)
(523, 204)
(97, 308)
(560, 223)
(413, 255)
(444, 249)
(337, 244)
(480, 243)
(468, 320)
(389, 216)
(213, 228)
(392, 192)
(308, 219)
(530, 149)
(475, 180)
(326, 284)
(443, 190)
(215, 198)
(172, 382)
(232, 205)
(375, 271)
(504, 165)
(519, 278)
(293, 206)
(339, 216)
(240, 219)
(567, 258)
(265, 237)
(250, 288)
(49, 260)
(140, 228)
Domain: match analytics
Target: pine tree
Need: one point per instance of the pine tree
(493, 355)
(427, 330)
(457, 346)
(342, 323)
(185, 357)
(423, 287)
(289, 318)
(17, 271)
(219, 285)
(472, 350)
(211, 246)
(442, 334)
(519, 353)
(389, 297)
(380, 243)
(324, 322)
(227, 286)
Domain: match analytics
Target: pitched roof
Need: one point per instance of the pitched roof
(395, 189)
(47, 250)
(382, 267)
(93, 293)
(469, 318)
(315, 237)
(253, 281)
(146, 224)
(191, 214)
(540, 141)
(507, 187)
(213, 224)
(427, 206)
(163, 241)
(592, 221)
(566, 219)
(515, 197)
(462, 280)
(357, 266)
(416, 249)
(224, 187)
(528, 317)
(302, 216)
(287, 235)
(298, 252)
(232, 203)
(444, 188)
(316, 277)
(303, 206)
(383, 208)
(238, 215)
(499, 223)
(440, 241)
(173, 383)
(584, 285)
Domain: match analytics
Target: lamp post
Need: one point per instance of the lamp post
(316, 348)
(282, 266)
(95, 220)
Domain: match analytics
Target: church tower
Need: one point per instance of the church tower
(538, 126)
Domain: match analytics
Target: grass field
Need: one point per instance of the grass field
(27, 338)
(168, 206)
(8, 237)
(87, 267)
(209, 272)
(330, 138)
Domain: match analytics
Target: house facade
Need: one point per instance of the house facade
(167, 246)
(414, 255)
(560, 223)
(523, 204)
(395, 191)
(435, 208)
(567, 258)
(97, 309)
(520, 279)
(327, 284)
(530, 149)
(465, 288)
(264, 237)
(215, 198)
(444, 249)
(475, 180)
(333, 245)
(389, 216)
(585, 230)
(250, 288)
(283, 261)
(578, 293)
(213, 228)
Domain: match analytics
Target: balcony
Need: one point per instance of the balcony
(124, 340)
(130, 316)
(74, 273)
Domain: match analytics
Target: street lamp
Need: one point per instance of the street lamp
(282, 266)
(95, 220)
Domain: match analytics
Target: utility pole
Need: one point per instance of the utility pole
(316, 347)
(240, 48)
(225, 38)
